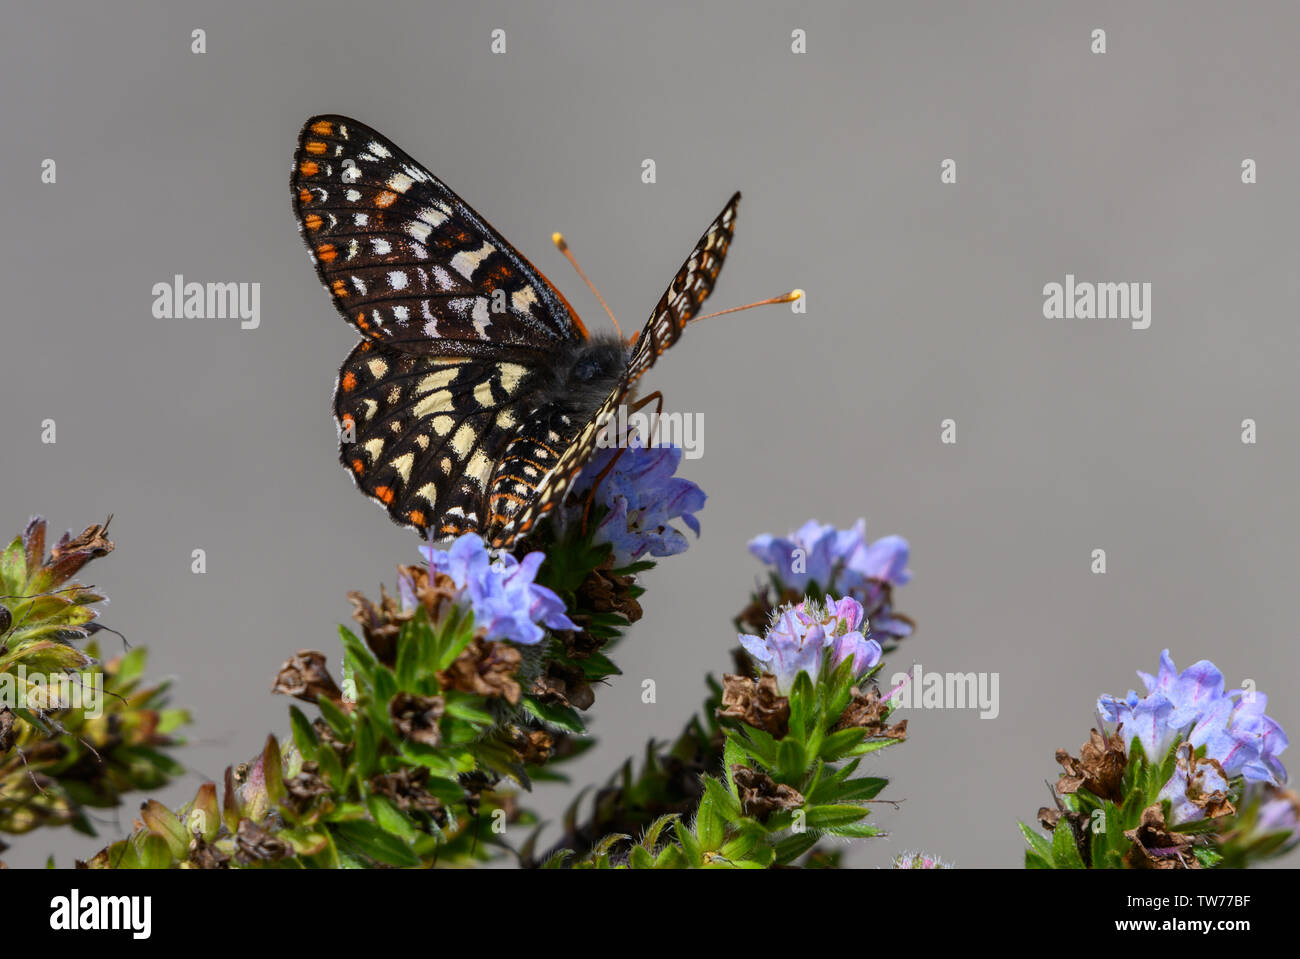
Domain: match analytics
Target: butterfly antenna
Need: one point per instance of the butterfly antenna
(783, 298)
(563, 247)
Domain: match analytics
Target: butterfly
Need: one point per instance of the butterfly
(476, 394)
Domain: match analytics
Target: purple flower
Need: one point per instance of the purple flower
(1192, 706)
(811, 554)
(1279, 811)
(1192, 780)
(501, 591)
(842, 561)
(802, 635)
(643, 498)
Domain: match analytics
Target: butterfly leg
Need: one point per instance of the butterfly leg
(658, 398)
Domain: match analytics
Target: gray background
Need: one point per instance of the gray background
(924, 302)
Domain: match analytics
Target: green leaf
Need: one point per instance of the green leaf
(690, 845)
(378, 845)
(554, 714)
(724, 801)
(468, 707)
(710, 827)
(792, 847)
(802, 702)
(859, 790)
(337, 719)
(1041, 847)
(855, 830)
(1065, 851)
(791, 761)
(367, 753)
(831, 817)
(13, 568)
(839, 744)
(651, 838)
(273, 771)
(733, 754)
(391, 819)
(304, 736)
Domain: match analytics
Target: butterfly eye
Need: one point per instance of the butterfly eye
(586, 370)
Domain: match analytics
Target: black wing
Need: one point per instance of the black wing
(407, 261)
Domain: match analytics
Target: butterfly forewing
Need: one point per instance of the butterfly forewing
(687, 292)
(518, 500)
(408, 262)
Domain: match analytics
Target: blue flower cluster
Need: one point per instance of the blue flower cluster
(1191, 710)
(642, 498)
(500, 590)
(802, 636)
(841, 561)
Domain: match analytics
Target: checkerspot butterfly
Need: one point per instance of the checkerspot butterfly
(476, 394)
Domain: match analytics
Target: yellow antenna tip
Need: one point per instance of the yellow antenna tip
(558, 240)
(794, 295)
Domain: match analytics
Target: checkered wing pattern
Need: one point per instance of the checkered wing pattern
(539, 467)
(686, 294)
(443, 419)
(423, 434)
(407, 261)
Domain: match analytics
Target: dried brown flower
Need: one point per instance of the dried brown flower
(485, 669)
(755, 702)
(607, 592)
(760, 795)
(564, 684)
(1099, 768)
(381, 625)
(406, 788)
(1155, 847)
(534, 746)
(306, 786)
(416, 717)
(867, 711)
(255, 844)
(305, 677)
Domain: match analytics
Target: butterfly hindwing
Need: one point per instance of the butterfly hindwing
(407, 261)
(422, 434)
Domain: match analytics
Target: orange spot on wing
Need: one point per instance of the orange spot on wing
(312, 221)
(384, 494)
(304, 195)
(315, 148)
(349, 381)
(309, 167)
(358, 467)
(417, 517)
(340, 288)
(385, 199)
(322, 128)
(327, 252)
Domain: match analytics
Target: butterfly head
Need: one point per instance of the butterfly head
(589, 372)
